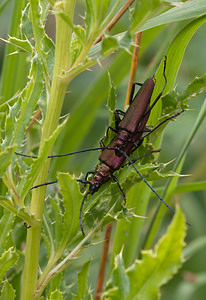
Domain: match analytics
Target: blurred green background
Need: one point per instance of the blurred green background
(190, 283)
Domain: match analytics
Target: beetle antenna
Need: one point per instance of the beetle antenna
(160, 198)
(43, 184)
(62, 155)
(165, 63)
(80, 214)
(160, 94)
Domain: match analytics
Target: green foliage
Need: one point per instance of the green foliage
(7, 260)
(83, 290)
(7, 291)
(143, 279)
(35, 76)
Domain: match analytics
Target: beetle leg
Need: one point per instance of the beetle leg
(117, 114)
(106, 136)
(160, 94)
(132, 91)
(137, 145)
(121, 190)
(83, 181)
(88, 173)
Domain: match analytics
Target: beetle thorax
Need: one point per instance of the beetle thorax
(102, 174)
(122, 138)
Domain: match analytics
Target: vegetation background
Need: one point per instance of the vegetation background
(85, 102)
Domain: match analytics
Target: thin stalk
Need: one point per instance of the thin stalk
(103, 262)
(133, 70)
(62, 62)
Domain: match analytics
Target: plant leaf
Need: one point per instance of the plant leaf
(184, 11)
(158, 266)
(7, 260)
(56, 295)
(118, 286)
(6, 228)
(21, 112)
(7, 291)
(144, 278)
(21, 44)
(82, 287)
(72, 200)
(5, 158)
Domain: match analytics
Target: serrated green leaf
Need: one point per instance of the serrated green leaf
(32, 174)
(9, 124)
(144, 278)
(21, 44)
(26, 25)
(184, 11)
(174, 100)
(56, 295)
(5, 158)
(43, 44)
(58, 225)
(72, 199)
(21, 112)
(156, 268)
(82, 287)
(197, 86)
(7, 260)
(6, 227)
(128, 176)
(7, 291)
(118, 286)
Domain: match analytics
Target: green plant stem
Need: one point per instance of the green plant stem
(58, 88)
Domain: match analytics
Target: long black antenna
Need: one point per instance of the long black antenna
(160, 94)
(160, 198)
(67, 154)
(80, 214)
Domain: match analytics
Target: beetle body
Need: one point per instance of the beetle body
(128, 135)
